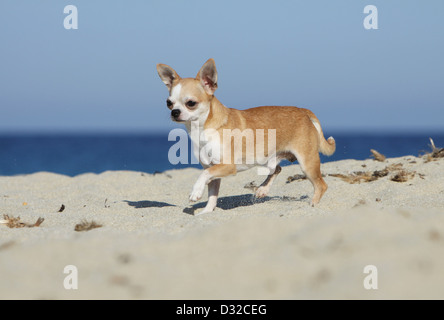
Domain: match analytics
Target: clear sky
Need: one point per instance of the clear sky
(313, 53)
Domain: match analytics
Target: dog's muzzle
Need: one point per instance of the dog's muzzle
(175, 113)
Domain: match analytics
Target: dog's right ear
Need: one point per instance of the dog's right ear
(168, 75)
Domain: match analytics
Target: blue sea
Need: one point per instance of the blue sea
(73, 154)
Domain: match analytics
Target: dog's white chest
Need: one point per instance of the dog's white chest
(206, 144)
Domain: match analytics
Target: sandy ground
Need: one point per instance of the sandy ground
(151, 246)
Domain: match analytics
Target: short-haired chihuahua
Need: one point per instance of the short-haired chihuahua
(296, 131)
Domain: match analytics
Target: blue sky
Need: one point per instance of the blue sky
(314, 54)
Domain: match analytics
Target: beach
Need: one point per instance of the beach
(150, 242)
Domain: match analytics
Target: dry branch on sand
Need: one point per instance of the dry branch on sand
(251, 185)
(403, 176)
(435, 154)
(14, 222)
(398, 174)
(355, 177)
(86, 225)
(296, 177)
(378, 156)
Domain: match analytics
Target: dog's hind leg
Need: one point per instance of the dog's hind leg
(264, 188)
(312, 169)
(275, 168)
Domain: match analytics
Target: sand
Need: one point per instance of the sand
(151, 246)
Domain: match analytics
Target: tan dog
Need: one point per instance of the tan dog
(298, 134)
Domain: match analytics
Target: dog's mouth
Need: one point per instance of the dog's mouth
(177, 120)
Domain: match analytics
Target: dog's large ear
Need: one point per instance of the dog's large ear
(208, 76)
(168, 75)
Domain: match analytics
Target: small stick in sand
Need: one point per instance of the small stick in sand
(436, 152)
(403, 175)
(355, 177)
(399, 174)
(296, 177)
(86, 226)
(13, 222)
(432, 144)
(378, 156)
(251, 185)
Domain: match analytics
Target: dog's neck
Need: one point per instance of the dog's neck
(217, 116)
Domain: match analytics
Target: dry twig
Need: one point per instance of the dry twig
(85, 225)
(251, 185)
(378, 156)
(403, 175)
(14, 222)
(435, 154)
(399, 174)
(296, 177)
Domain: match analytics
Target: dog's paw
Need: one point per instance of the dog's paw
(202, 211)
(262, 192)
(196, 194)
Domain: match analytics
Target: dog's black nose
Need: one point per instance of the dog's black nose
(175, 113)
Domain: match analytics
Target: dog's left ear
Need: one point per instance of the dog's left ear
(208, 76)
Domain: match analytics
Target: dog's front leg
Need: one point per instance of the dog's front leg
(213, 192)
(216, 171)
(199, 186)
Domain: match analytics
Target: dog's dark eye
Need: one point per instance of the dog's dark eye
(169, 103)
(191, 104)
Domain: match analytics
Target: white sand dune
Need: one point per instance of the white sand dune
(151, 246)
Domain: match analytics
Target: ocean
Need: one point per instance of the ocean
(74, 154)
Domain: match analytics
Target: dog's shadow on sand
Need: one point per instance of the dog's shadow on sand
(224, 203)
(243, 200)
(148, 204)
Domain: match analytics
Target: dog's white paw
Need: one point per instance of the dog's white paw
(202, 211)
(262, 192)
(196, 193)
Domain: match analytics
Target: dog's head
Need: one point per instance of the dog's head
(190, 98)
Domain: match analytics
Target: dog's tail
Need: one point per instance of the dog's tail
(326, 147)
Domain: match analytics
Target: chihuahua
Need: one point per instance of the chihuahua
(296, 131)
